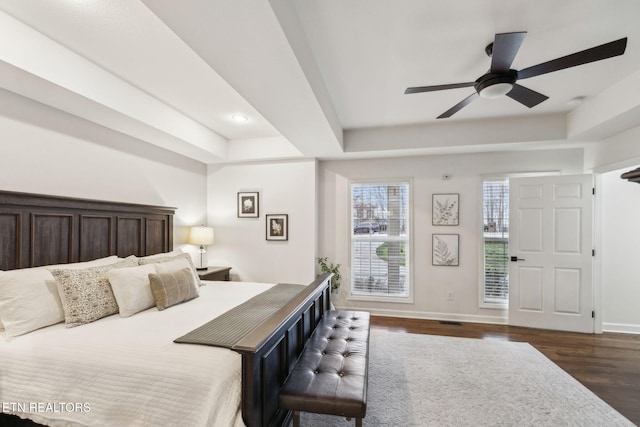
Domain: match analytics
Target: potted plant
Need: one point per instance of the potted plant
(328, 267)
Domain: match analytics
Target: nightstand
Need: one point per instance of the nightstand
(220, 274)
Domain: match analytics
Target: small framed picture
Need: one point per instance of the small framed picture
(446, 209)
(248, 205)
(445, 250)
(277, 227)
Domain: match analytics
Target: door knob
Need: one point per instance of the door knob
(515, 259)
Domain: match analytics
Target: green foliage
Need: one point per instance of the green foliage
(382, 252)
(328, 267)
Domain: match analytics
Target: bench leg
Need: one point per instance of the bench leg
(296, 418)
(358, 422)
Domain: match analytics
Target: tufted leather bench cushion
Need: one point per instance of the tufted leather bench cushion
(330, 376)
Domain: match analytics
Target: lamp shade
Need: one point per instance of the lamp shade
(201, 235)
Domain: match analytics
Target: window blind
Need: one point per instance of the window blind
(380, 239)
(495, 198)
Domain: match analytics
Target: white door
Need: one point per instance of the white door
(550, 244)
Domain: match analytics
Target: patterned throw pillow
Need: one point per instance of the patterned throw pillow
(86, 294)
(172, 288)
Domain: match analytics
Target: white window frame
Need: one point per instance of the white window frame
(483, 178)
(384, 298)
(482, 302)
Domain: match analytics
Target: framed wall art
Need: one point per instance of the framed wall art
(446, 208)
(248, 204)
(277, 227)
(445, 250)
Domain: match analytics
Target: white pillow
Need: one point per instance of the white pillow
(29, 297)
(27, 301)
(86, 264)
(179, 264)
(160, 255)
(132, 288)
(1, 325)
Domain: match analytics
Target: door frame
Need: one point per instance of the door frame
(596, 237)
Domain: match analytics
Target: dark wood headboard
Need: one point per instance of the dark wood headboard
(40, 230)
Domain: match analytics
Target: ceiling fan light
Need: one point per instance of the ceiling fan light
(496, 91)
(240, 118)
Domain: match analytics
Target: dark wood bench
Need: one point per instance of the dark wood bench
(330, 376)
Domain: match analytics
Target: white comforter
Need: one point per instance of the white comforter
(127, 371)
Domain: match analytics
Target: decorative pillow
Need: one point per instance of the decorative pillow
(172, 288)
(86, 294)
(131, 288)
(175, 265)
(159, 259)
(29, 297)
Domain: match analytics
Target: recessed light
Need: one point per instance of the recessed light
(240, 118)
(576, 101)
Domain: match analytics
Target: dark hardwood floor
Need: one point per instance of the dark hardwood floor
(607, 364)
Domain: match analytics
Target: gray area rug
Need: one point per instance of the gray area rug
(426, 380)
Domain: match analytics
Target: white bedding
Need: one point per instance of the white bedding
(127, 371)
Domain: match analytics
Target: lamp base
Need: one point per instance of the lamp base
(203, 256)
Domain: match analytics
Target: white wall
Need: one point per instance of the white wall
(285, 188)
(616, 152)
(430, 283)
(616, 231)
(619, 254)
(46, 151)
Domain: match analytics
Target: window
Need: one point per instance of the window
(380, 239)
(495, 207)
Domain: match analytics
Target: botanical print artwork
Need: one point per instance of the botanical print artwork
(278, 227)
(445, 249)
(445, 209)
(248, 205)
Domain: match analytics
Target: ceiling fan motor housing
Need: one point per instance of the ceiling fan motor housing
(486, 85)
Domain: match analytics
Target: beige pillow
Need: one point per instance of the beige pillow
(172, 288)
(159, 259)
(29, 298)
(175, 265)
(161, 255)
(131, 288)
(86, 294)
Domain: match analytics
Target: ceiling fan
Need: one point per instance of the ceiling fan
(502, 80)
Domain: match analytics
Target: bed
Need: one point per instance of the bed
(127, 370)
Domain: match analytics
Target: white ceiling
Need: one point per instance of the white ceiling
(318, 78)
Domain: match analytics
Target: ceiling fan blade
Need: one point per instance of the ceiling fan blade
(505, 48)
(604, 51)
(421, 89)
(525, 96)
(459, 106)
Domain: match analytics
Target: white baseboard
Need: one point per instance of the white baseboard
(470, 318)
(450, 317)
(621, 328)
